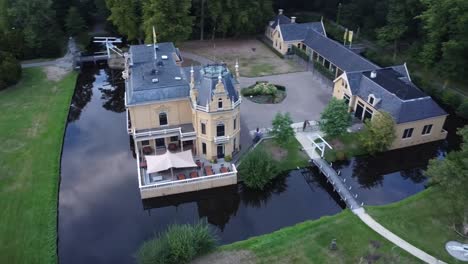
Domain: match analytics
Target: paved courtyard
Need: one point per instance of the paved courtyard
(307, 96)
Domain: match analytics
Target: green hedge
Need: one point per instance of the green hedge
(300, 53)
(269, 45)
(324, 71)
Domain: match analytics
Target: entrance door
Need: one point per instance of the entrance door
(220, 151)
(359, 110)
(160, 143)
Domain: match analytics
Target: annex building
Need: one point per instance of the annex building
(367, 88)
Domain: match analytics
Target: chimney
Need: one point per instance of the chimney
(373, 74)
(293, 19)
(280, 11)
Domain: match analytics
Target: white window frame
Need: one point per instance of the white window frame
(167, 118)
(424, 129)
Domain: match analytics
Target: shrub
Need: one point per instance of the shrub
(260, 88)
(257, 169)
(179, 244)
(462, 110)
(228, 158)
(10, 70)
(300, 53)
(324, 71)
(379, 133)
(452, 99)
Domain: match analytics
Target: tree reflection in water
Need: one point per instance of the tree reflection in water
(370, 171)
(257, 198)
(113, 93)
(83, 92)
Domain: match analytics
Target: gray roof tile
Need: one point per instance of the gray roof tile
(336, 53)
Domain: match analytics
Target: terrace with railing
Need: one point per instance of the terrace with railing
(179, 180)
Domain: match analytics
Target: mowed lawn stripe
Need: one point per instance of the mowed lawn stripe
(32, 123)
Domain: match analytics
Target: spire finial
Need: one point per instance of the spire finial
(219, 77)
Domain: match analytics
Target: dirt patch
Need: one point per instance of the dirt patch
(55, 73)
(227, 257)
(255, 59)
(278, 153)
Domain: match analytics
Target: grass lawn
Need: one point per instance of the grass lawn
(255, 58)
(32, 125)
(288, 158)
(308, 242)
(421, 220)
(345, 146)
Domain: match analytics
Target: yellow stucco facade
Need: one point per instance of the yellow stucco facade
(406, 134)
(216, 125)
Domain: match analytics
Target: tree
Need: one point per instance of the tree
(335, 119)
(379, 133)
(282, 131)
(446, 26)
(36, 19)
(74, 22)
(124, 14)
(450, 176)
(171, 18)
(257, 169)
(10, 70)
(396, 24)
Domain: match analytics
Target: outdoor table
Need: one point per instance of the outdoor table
(208, 170)
(224, 169)
(181, 176)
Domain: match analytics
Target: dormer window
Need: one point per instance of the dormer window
(220, 103)
(371, 99)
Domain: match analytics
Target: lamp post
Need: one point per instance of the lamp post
(338, 13)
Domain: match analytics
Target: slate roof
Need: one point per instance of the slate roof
(336, 53)
(206, 78)
(280, 19)
(145, 70)
(295, 31)
(173, 81)
(395, 94)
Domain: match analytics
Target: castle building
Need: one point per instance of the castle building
(172, 110)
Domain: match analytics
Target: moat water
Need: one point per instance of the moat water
(103, 220)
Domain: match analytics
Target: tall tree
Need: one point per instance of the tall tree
(446, 26)
(281, 129)
(171, 18)
(379, 133)
(125, 15)
(36, 19)
(74, 23)
(450, 175)
(396, 25)
(335, 118)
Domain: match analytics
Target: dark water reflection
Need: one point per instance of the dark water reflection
(101, 216)
(103, 220)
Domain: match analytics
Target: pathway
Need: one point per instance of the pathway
(65, 62)
(192, 56)
(304, 139)
(374, 225)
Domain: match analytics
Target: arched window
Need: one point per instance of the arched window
(163, 119)
(220, 103)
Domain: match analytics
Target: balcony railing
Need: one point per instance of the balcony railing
(221, 139)
(158, 132)
(191, 180)
(207, 108)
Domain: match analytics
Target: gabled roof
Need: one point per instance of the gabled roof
(280, 19)
(395, 93)
(336, 53)
(295, 31)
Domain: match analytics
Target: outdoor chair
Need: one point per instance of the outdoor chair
(181, 176)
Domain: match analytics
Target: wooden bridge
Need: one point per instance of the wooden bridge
(339, 184)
